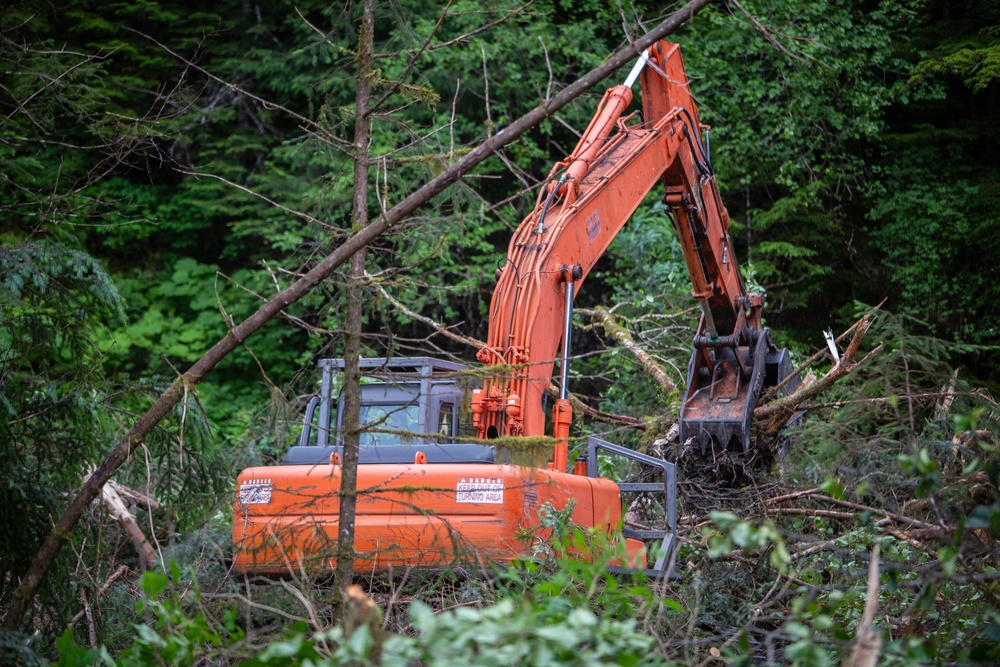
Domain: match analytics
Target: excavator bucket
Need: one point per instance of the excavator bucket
(724, 384)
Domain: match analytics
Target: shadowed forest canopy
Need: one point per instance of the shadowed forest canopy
(167, 166)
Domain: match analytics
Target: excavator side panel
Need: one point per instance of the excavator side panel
(437, 515)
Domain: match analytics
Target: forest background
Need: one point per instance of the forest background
(166, 165)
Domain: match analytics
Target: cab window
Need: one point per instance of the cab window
(446, 420)
(377, 419)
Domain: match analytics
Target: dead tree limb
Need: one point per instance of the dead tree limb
(437, 326)
(611, 326)
(793, 496)
(819, 496)
(63, 529)
(601, 416)
(775, 415)
(809, 511)
(771, 392)
(91, 630)
(134, 497)
(104, 589)
(868, 643)
(115, 506)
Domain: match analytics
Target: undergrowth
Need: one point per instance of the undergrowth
(902, 459)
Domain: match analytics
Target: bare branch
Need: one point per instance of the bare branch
(769, 34)
(254, 193)
(779, 412)
(608, 322)
(104, 589)
(398, 83)
(578, 404)
(461, 38)
(444, 331)
(267, 104)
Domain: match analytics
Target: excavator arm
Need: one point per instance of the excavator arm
(589, 197)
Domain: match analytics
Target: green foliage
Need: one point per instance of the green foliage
(176, 636)
(792, 106)
(932, 200)
(879, 419)
(177, 632)
(909, 438)
(14, 650)
(53, 400)
(732, 531)
(180, 313)
(649, 268)
(968, 48)
(537, 623)
(935, 236)
(51, 97)
(53, 296)
(59, 414)
(508, 633)
(925, 467)
(500, 634)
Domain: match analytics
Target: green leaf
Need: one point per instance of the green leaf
(948, 557)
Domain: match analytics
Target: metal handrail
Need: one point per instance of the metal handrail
(307, 422)
(661, 569)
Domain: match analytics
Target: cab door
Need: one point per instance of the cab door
(442, 423)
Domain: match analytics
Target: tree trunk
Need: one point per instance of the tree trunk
(351, 431)
(63, 529)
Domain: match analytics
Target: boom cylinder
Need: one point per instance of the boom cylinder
(615, 101)
(567, 333)
(562, 411)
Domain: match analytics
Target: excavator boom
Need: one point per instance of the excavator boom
(589, 198)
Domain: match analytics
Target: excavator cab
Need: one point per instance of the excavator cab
(408, 405)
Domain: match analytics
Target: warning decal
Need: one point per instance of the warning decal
(479, 490)
(255, 492)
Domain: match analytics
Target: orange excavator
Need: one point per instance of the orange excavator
(427, 499)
